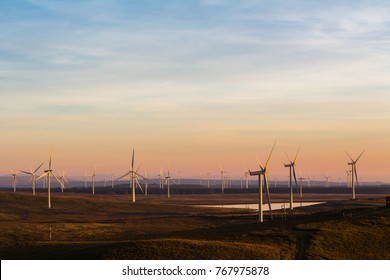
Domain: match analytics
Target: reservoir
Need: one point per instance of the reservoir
(274, 206)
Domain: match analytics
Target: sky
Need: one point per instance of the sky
(191, 84)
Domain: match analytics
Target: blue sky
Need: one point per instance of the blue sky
(202, 80)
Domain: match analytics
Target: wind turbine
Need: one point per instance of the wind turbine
(348, 177)
(246, 175)
(13, 173)
(262, 173)
(47, 173)
(178, 176)
(93, 175)
(63, 180)
(146, 183)
(133, 177)
(291, 166)
(300, 183)
(222, 177)
(161, 179)
(33, 176)
(168, 180)
(326, 181)
(354, 173)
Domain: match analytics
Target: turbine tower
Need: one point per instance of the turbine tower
(47, 173)
(291, 166)
(33, 176)
(354, 173)
(132, 174)
(13, 173)
(262, 173)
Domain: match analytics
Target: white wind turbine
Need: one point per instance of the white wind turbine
(63, 180)
(133, 177)
(348, 177)
(47, 173)
(146, 180)
(300, 183)
(246, 176)
(161, 179)
(262, 173)
(291, 167)
(13, 173)
(93, 175)
(178, 176)
(168, 180)
(222, 177)
(33, 176)
(354, 173)
(326, 183)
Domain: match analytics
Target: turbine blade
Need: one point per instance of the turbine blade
(295, 177)
(220, 167)
(26, 172)
(38, 167)
(288, 157)
(268, 195)
(356, 176)
(259, 163)
(138, 167)
(359, 156)
(139, 185)
(43, 175)
(295, 159)
(51, 155)
(58, 180)
(123, 176)
(132, 161)
(349, 156)
(269, 157)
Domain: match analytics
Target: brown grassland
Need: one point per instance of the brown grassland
(110, 226)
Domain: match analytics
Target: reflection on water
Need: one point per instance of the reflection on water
(274, 206)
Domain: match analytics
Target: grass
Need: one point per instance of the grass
(83, 226)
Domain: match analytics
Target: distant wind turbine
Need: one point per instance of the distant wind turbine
(47, 174)
(168, 180)
(300, 183)
(222, 178)
(262, 173)
(291, 166)
(93, 175)
(146, 180)
(33, 176)
(13, 173)
(63, 180)
(354, 173)
(132, 174)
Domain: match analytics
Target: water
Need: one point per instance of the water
(274, 206)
